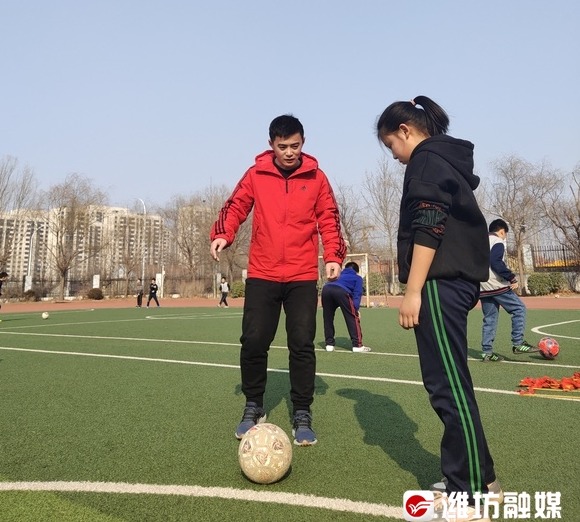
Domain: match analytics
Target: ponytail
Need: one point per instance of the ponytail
(422, 113)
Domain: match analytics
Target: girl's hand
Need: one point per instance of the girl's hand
(409, 310)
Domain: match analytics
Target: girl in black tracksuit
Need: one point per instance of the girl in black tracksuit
(443, 255)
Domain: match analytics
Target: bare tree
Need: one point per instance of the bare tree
(353, 219)
(382, 194)
(189, 220)
(185, 217)
(18, 195)
(234, 258)
(75, 207)
(563, 211)
(518, 189)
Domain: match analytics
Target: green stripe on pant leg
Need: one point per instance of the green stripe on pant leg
(456, 388)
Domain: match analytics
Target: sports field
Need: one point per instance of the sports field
(129, 415)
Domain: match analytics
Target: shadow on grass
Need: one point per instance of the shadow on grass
(474, 353)
(278, 390)
(387, 425)
(340, 342)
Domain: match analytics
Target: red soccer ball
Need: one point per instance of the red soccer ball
(549, 347)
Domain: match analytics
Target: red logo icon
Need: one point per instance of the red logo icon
(418, 506)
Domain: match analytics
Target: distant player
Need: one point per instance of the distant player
(498, 291)
(344, 293)
(153, 288)
(3, 277)
(225, 290)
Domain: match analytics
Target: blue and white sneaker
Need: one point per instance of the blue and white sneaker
(252, 415)
(493, 487)
(302, 429)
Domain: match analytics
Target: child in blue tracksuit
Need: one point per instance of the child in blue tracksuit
(344, 293)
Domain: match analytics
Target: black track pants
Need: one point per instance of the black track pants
(333, 297)
(263, 303)
(442, 343)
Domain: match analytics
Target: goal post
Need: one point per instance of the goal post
(362, 260)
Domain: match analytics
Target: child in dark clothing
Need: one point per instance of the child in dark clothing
(344, 293)
(443, 255)
(3, 277)
(153, 288)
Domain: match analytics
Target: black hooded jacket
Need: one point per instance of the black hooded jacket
(439, 211)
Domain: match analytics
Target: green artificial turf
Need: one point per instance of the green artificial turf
(163, 410)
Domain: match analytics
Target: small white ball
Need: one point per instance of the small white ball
(45, 315)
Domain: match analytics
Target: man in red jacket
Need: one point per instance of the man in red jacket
(293, 203)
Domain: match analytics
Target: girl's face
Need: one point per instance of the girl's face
(402, 142)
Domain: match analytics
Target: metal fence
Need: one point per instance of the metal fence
(110, 288)
(382, 279)
(555, 259)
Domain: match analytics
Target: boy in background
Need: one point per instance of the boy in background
(225, 290)
(498, 291)
(344, 293)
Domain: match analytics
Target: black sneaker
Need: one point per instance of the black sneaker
(491, 357)
(302, 429)
(525, 347)
(253, 415)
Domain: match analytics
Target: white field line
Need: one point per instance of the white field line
(539, 330)
(292, 499)
(47, 323)
(213, 343)
(233, 366)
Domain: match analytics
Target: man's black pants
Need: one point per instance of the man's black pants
(262, 306)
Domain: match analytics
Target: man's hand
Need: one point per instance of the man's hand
(217, 245)
(332, 271)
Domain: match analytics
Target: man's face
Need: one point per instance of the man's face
(287, 151)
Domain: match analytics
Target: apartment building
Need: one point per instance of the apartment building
(112, 242)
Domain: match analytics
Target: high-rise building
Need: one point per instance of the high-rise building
(109, 241)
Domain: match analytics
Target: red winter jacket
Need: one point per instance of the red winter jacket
(288, 216)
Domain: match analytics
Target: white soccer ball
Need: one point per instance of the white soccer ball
(265, 453)
(45, 315)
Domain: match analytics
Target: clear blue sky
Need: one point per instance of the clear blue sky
(152, 99)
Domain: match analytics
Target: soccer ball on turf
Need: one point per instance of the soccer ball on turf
(45, 315)
(549, 347)
(265, 453)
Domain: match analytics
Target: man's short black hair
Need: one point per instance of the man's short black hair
(284, 126)
(498, 224)
(353, 265)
